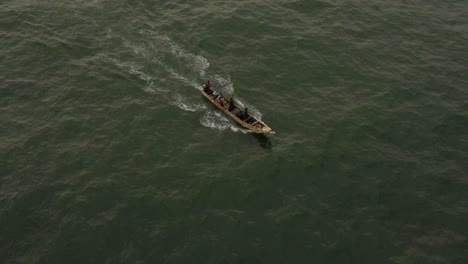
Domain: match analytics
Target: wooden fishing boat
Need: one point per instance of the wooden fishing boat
(235, 112)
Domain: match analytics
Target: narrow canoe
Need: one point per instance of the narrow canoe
(251, 123)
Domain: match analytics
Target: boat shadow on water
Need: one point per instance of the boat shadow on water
(263, 140)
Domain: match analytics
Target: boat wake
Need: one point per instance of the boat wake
(163, 59)
(196, 63)
(183, 104)
(218, 121)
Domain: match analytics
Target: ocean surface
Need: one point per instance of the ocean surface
(110, 154)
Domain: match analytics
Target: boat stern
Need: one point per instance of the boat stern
(267, 130)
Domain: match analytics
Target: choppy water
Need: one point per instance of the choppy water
(110, 155)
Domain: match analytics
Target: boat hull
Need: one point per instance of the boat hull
(255, 125)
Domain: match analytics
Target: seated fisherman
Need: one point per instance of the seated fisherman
(207, 88)
(224, 103)
(218, 96)
(231, 104)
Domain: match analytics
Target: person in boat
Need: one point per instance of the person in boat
(218, 96)
(246, 114)
(231, 104)
(207, 88)
(220, 99)
(225, 103)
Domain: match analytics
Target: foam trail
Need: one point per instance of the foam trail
(224, 84)
(180, 102)
(202, 64)
(191, 64)
(109, 33)
(197, 62)
(176, 75)
(137, 71)
(217, 121)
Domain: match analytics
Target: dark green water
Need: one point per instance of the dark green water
(110, 155)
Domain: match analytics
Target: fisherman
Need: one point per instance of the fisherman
(231, 104)
(207, 88)
(207, 85)
(224, 102)
(246, 113)
(218, 96)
